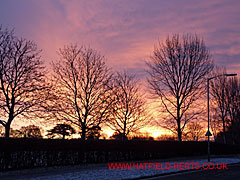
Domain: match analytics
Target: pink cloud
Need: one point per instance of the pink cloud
(126, 31)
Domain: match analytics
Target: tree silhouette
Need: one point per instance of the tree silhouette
(233, 99)
(82, 88)
(118, 136)
(128, 113)
(61, 129)
(177, 71)
(21, 78)
(219, 91)
(30, 131)
(94, 133)
(194, 131)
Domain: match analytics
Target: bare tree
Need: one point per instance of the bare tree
(128, 113)
(82, 88)
(194, 131)
(177, 72)
(22, 79)
(219, 94)
(233, 101)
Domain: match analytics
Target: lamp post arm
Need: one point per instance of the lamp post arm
(221, 75)
(215, 77)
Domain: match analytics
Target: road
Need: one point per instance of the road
(232, 173)
(101, 171)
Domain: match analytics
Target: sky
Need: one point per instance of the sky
(125, 31)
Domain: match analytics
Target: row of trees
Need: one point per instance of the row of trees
(193, 132)
(30, 131)
(36, 132)
(82, 91)
(87, 94)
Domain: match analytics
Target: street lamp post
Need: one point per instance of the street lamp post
(208, 134)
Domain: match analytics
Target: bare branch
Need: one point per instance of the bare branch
(22, 78)
(82, 86)
(128, 113)
(177, 71)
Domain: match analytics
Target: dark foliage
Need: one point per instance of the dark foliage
(30, 131)
(61, 129)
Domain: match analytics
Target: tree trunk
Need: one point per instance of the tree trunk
(83, 135)
(10, 119)
(179, 122)
(223, 118)
(7, 130)
(179, 131)
(124, 130)
(224, 131)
